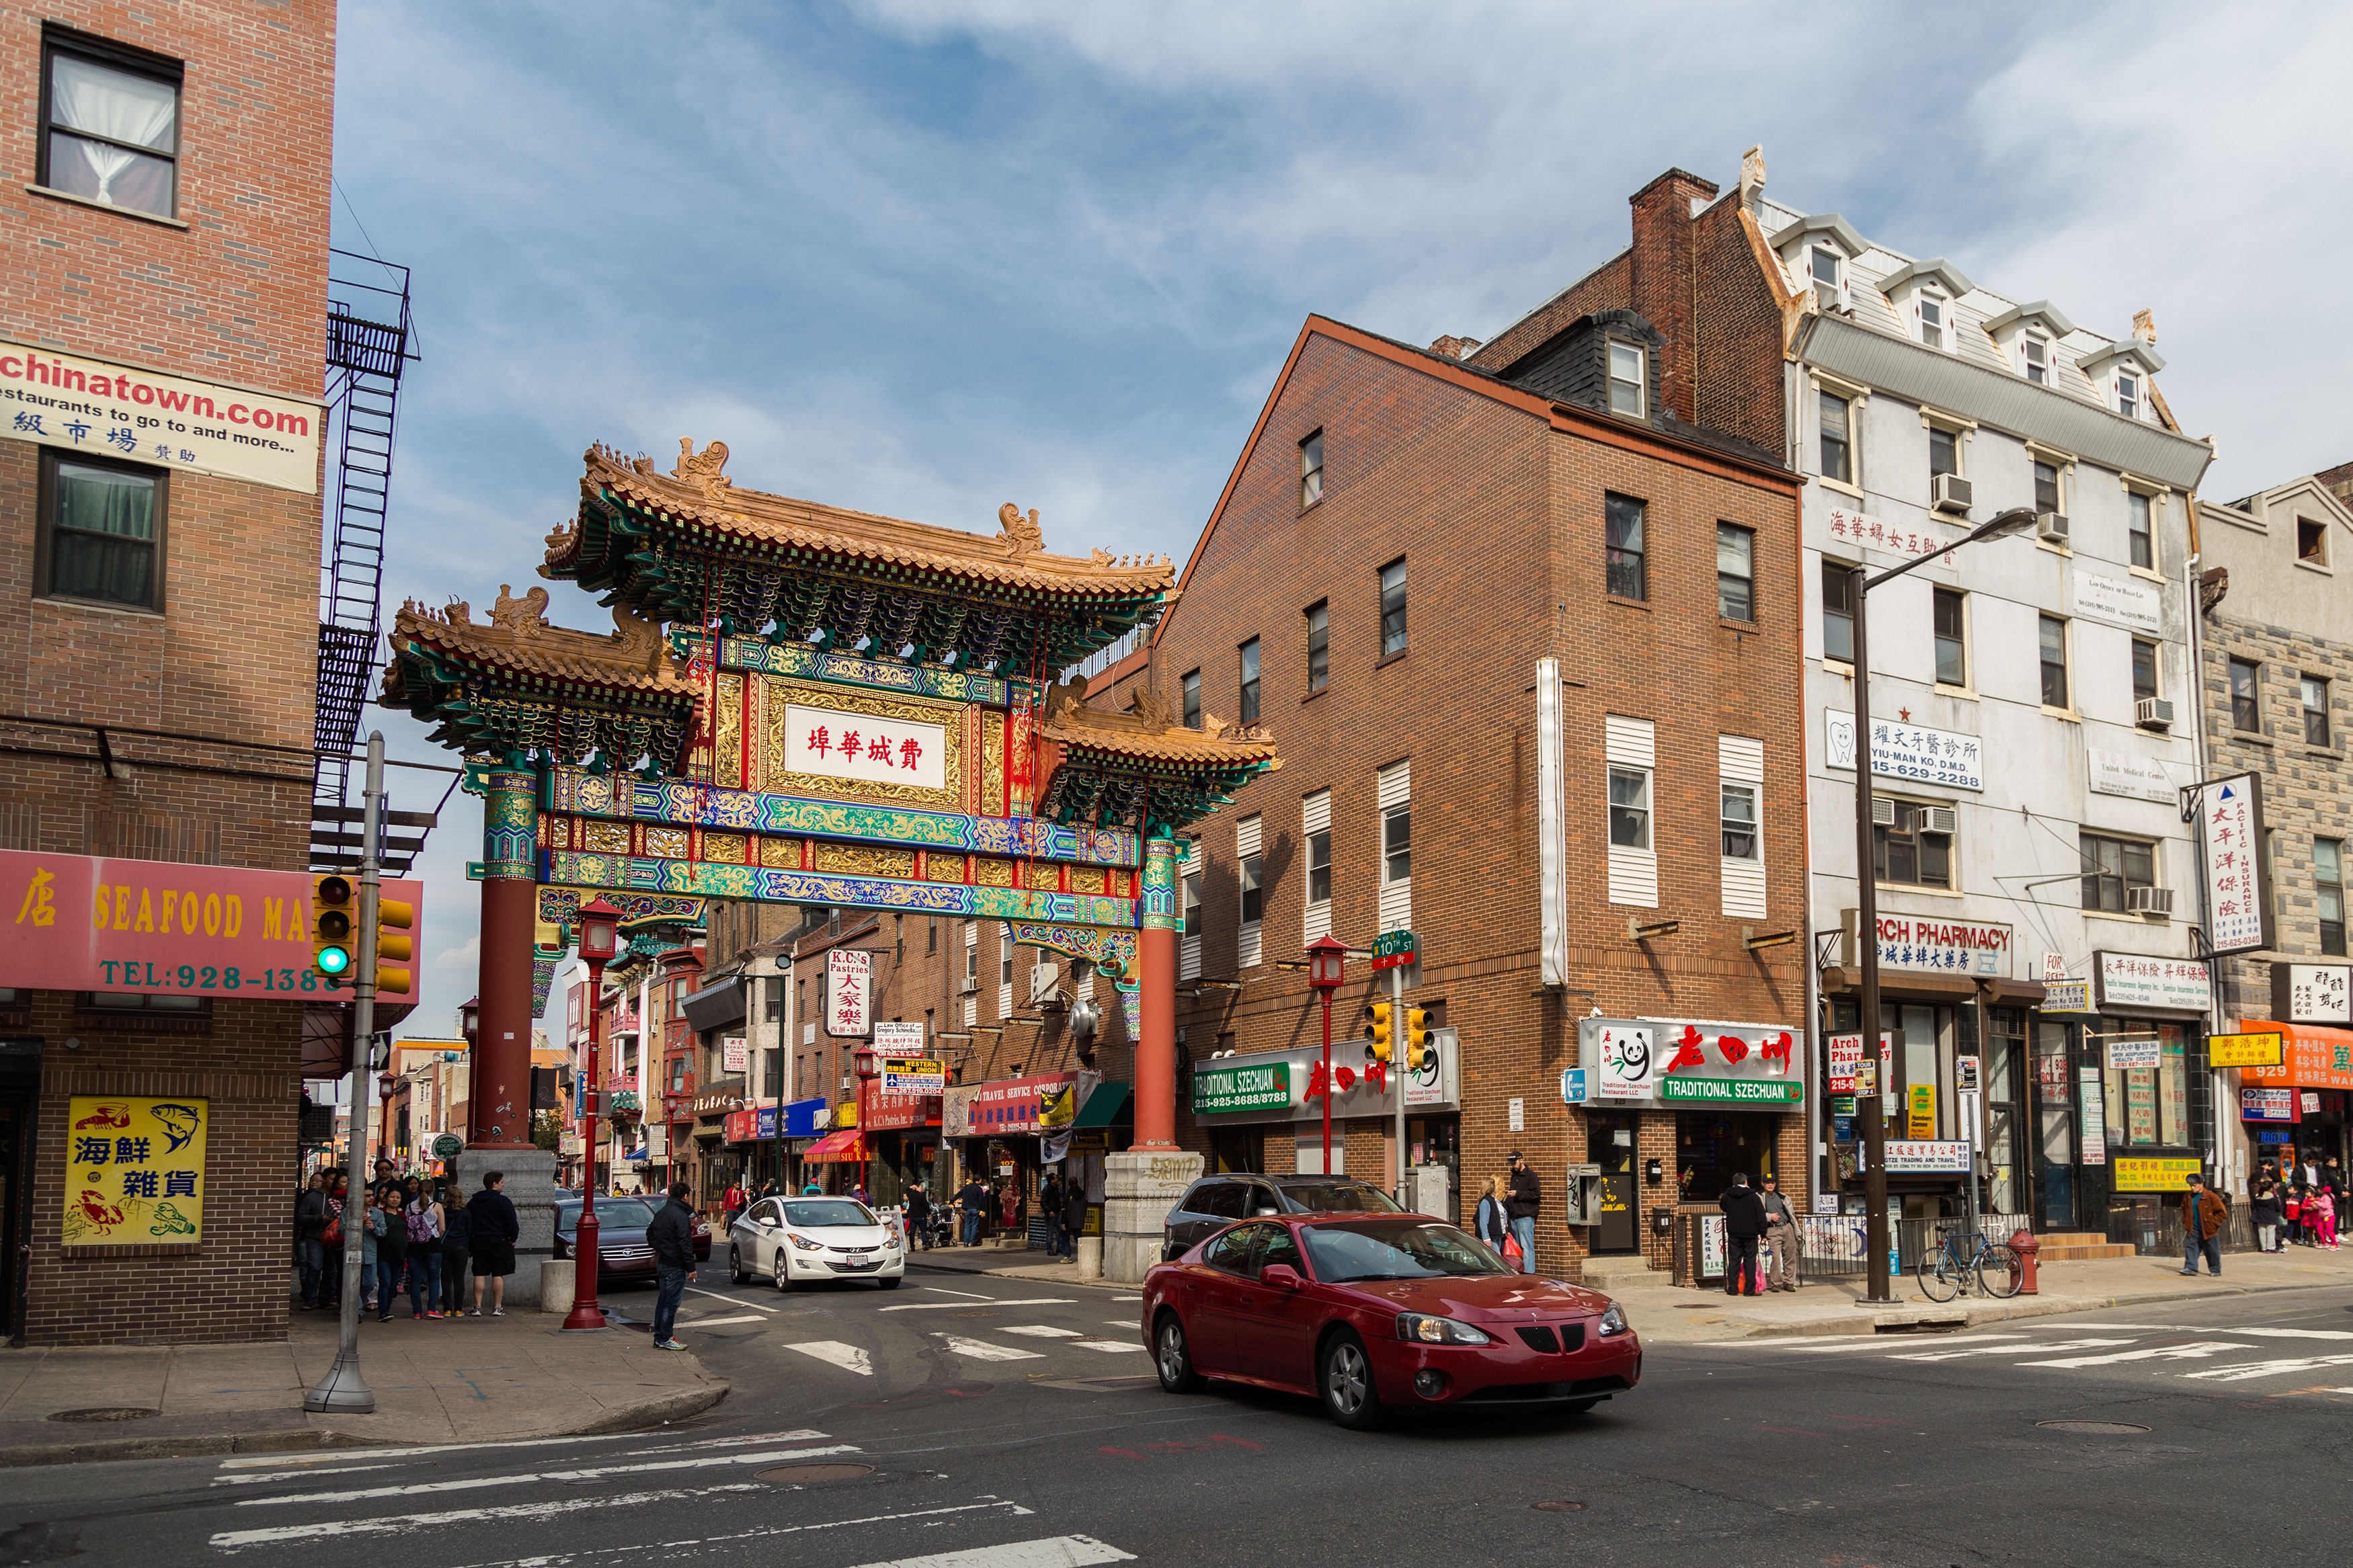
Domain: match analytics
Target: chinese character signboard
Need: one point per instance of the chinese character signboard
(2066, 996)
(2091, 1116)
(858, 746)
(894, 1039)
(1900, 751)
(134, 1170)
(2238, 889)
(732, 1055)
(1861, 531)
(1922, 1156)
(2139, 1173)
(2311, 994)
(1944, 947)
(2316, 1058)
(846, 978)
(915, 1076)
(121, 412)
(2133, 1052)
(1625, 1067)
(1667, 1061)
(1290, 1085)
(2128, 980)
(2255, 1050)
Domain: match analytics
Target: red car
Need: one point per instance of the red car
(1374, 1312)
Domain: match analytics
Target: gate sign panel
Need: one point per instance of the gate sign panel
(847, 745)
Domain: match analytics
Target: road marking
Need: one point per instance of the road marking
(475, 1483)
(1041, 1331)
(981, 1351)
(986, 1504)
(252, 1477)
(1127, 1298)
(1109, 1345)
(942, 1306)
(236, 1540)
(732, 1300)
(1053, 1552)
(2008, 1350)
(848, 1358)
(2196, 1350)
(342, 1456)
(945, 1292)
(2243, 1370)
(1869, 1343)
(715, 1322)
(1121, 1323)
(2293, 1333)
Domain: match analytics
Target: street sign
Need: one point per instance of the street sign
(1393, 948)
(913, 1076)
(2262, 1050)
(449, 1146)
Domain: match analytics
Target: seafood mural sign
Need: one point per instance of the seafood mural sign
(135, 1171)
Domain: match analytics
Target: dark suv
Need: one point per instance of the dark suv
(1214, 1203)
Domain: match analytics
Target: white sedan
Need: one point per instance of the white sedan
(792, 1241)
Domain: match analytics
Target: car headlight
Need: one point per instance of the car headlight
(1613, 1321)
(1421, 1329)
(804, 1243)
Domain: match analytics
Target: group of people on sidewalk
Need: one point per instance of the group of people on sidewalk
(2306, 1204)
(411, 1236)
(1506, 1216)
(1753, 1215)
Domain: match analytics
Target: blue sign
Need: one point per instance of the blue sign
(801, 1116)
(2273, 1136)
(1572, 1086)
(767, 1122)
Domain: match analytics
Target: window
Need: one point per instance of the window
(103, 530)
(1311, 471)
(931, 934)
(1250, 681)
(1629, 808)
(1916, 848)
(1629, 377)
(971, 954)
(1740, 840)
(1952, 638)
(2328, 882)
(2036, 350)
(1735, 573)
(1319, 647)
(1838, 611)
(1319, 866)
(1192, 887)
(1316, 823)
(1930, 305)
(2129, 394)
(1393, 797)
(1392, 608)
(1396, 843)
(2246, 697)
(2139, 540)
(678, 1075)
(2315, 710)
(1250, 947)
(2046, 487)
(2111, 866)
(1944, 452)
(111, 127)
(2144, 672)
(1005, 955)
(1825, 265)
(2311, 541)
(1627, 580)
(1253, 894)
(2054, 662)
(1192, 699)
(1836, 450)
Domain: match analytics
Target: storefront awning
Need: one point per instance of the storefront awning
(837, 1148)
(714, 1006)
(2315, 1057)
(1105, 1107)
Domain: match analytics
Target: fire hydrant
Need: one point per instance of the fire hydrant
(2026, 1247)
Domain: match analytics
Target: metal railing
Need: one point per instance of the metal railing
(1831, 1246)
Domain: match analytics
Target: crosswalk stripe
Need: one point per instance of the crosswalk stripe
(987, 1503)
(2196, 1350)
(937, 1306)
(1833, 1346)
(475, 1483)
(1053, 1552)
(342, 1456)
(848, 1357)
(718, 1322)
(733, 1300)
(1041, 1331)
(2008, 1350)
(979, 1350)
(233, 1540)
(1111, 1345)
(2243, 1370)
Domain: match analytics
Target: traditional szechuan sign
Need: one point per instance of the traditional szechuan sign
(134, 1170)
(2238, 891)
(1908, 751)
(1259, 1086)
(1671, 1061)
(116, 411)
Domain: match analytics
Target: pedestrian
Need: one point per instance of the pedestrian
(672, 1237)
(2264, 1209)
(972, 1198)
(919, 1217)
(337, 1195)
(2292, 1211)
(1074, 1212)
(422, 1215)
(309, 1224)
(1781, 1234)
(2332, 1179)
(391, 1249)
(2202, 1215)
(457, 1251)
(1491, 1224)
(1049, 1206)
(2324, 1224)
(1008, 1205)
(369, 1217)
(812, 1191)
(1744, 1222)
(383, 1178)
(495, 1232)
(735, 1203)
(1522, 1201)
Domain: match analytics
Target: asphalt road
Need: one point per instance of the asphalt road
(1005, 1423)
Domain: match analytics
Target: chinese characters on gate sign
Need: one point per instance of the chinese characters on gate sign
(1908, 751)
(847, 980)
(2232, 811)
(861, 746)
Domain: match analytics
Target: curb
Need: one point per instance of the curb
(1972, 1316)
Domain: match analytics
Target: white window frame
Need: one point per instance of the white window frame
(1922, 298)
(2154, 502)
(1005, 970)
(1740, 766)
(2027, 343)
(1249, 866)
(1968, 681)
(1188, 895)
(1393, 795)
(1836, 281)
(1630, 746)
(2129, 403)
(1315, 818)
(1641, 381)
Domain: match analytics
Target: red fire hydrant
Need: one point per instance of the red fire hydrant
(2026, 1247)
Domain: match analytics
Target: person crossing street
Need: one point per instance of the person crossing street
(672, 1237)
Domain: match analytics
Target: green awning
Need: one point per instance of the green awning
(1105, 1106)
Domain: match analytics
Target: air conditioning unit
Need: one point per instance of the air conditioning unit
(1934, 818)
(969, 985)
(1948, 493)
(2052, 526)
(2150, 901)
(2153, 714)
(1045, 984)
(1882, 812)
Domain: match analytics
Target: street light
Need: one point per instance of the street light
(599, 933)
(384, 1084)
(1871, 1107)
(470, 1019)
(1326, 967)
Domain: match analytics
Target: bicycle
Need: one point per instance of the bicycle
(1946, 1268)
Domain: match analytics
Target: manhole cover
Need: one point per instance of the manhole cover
(805, 1475)
(1559, 1507)
(2098, 1428)
(106, 1413)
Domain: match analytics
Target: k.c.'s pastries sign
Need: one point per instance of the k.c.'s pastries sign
(138, 416)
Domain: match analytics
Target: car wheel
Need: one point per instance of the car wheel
(1173, 1357)
(736, 1275)
(782, 1272)
(1345, 1379)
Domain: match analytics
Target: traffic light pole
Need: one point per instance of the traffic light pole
(342, 1391)
(1400, 1046)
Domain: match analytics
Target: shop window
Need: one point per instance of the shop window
(2113, 867)
(2328, 884)
(1710, 1146)
(2147, 1107)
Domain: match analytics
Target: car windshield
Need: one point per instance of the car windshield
(614, 1214)
(1340, 1197)
(1405, 1250)
(816, 1214)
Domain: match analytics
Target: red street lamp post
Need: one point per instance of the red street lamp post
(600, 931)
(384, 1084)
(1326, 967)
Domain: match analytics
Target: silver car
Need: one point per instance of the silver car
(797, 1241)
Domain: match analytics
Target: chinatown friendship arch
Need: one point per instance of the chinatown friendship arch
(845, 711)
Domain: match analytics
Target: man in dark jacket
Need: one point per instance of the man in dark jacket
(919, 1217)
(1521, 1202)
(1743, 1222)
(1050, 1204)
(1074, 1212)
(309, 1224)
(490, 1216)
(672, 1237)
(972, 1198)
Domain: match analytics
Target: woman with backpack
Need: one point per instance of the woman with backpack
(423, 1218)
(457, 1252)
(391, 1248)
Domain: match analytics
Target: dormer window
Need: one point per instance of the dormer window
(1931, 307)
(1628, 378)
(2034, 348)
(2129, 394)
(1824, 264)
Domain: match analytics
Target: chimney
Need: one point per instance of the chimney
(1454, 347)
(1752, 176)
(1662, 276)
(2145, 327)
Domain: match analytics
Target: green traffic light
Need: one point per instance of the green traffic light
(333, 961)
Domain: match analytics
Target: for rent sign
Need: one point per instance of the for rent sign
(136, 415)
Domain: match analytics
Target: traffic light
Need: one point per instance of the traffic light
(392, 920)
(1383, 1033)
(332, 950)
(1421, 1049)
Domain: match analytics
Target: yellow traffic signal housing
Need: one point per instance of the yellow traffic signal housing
(1383, 1033)
(334, 951)
(392, 920)
(1420, 1046)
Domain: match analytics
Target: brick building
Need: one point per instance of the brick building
(166, 209)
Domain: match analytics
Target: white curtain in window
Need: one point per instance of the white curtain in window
(112, 104)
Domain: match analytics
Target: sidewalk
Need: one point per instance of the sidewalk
(1005, 1263)
(452, 1381)
(1703, 1316)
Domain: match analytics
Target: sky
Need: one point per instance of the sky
(924, 256)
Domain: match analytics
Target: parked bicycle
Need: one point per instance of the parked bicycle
(1962, 1256)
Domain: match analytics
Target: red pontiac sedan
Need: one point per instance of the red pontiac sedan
(1374, 1312)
